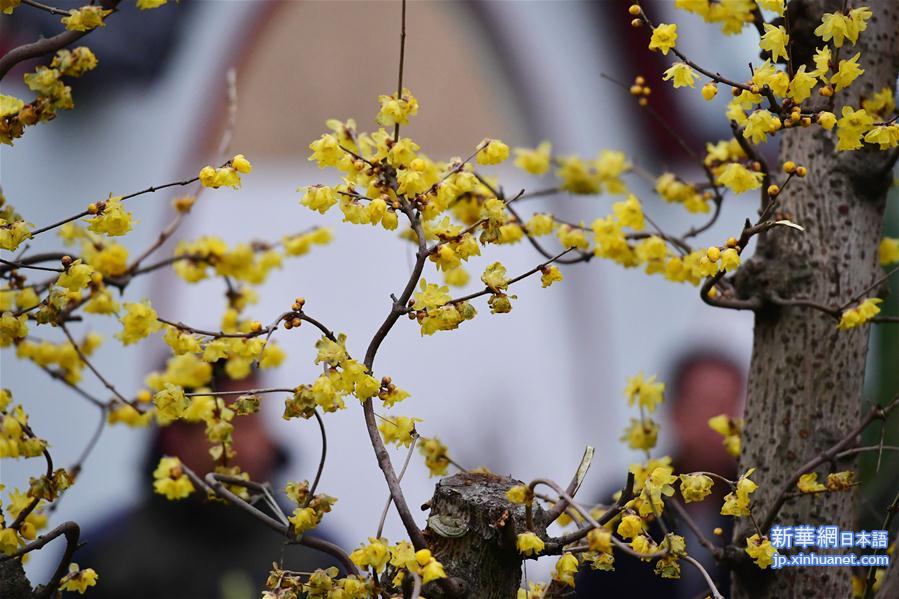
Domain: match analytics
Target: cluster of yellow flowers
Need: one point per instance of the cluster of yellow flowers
(398, 559)
(310, 508)
(170, 479)
(859, 315)
(320, 584)
(52, 93)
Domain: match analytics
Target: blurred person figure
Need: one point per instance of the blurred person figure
(194, 548)
(703, 384)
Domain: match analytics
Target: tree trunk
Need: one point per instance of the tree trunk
(472, 530)
(806, 377)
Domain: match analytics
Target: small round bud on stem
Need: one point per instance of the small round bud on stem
(66, 261)
(636, 23)
(634, 9)
(801, 171)
(789, 166)
(731, 242)
(773, 190)
(826, 91)
(713, 253)
(92, 208)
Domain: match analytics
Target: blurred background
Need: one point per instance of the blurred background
(521, 393)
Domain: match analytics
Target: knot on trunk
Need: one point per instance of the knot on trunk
(472, 530)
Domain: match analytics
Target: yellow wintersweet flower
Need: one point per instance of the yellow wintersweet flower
(630, 526)
(138, 322)
(326, 151)
(645, 392)
(76, 277)
(760, 550)
(572, 237)
(550, 274)
(10, 105)
(759, 124)
(808, 483)
(319, 198)
(241, 164)
(738, 178)
(837, 27)
(304, 519)
(529, 543)
(775, 40)
(520, 494)
(429, 568)
(85, 18)
(436, 458)
(111, 261)
(682, 74)
(214, 178)
(730, 260)
(886, 136)
(848, 71)
(12, 327)
(13, 234)
(170, 479)
(495, 277)
(776, 6)
(730, 430)
(600, 539)
(374, 555)
(664, 38)
(171, 403)
(396, 110)
(536, 161)
(565, 569)
(827, 120)
(840, 481)
(855, 317)
(641, 434)
(695, 487)
(78, 580)
(128, 415)
(889, 250)
(114, 220)
(801, 85)
(736, 503)
(398, 429)
(851, 127)
(629, 213)
(149, 4)
(493, 152)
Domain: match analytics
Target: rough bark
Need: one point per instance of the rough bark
(806, 377)
(471, 530)
(13, 582)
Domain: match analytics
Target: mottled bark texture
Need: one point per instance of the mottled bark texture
(471, 530)
(13, 582)
(806, 377)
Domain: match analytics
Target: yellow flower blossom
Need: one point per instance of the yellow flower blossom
(536, 161)
(565, 569)
(682, 75)
(76, 277)
(808, 483)
(114, 220)
(695, 487)
(848, 71)
(396, 110)
(529, 543)
(493, 152)
(775, 40)
(760, 550)
(664, 37)
(78, 580)
(645, 392)
(861, 314)
(738, 178)
(736, 503)
(85, 18)
(550, 274)
(398, 430)
(374, 555)
(170, 479)
(138, 322)
(889, 251)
